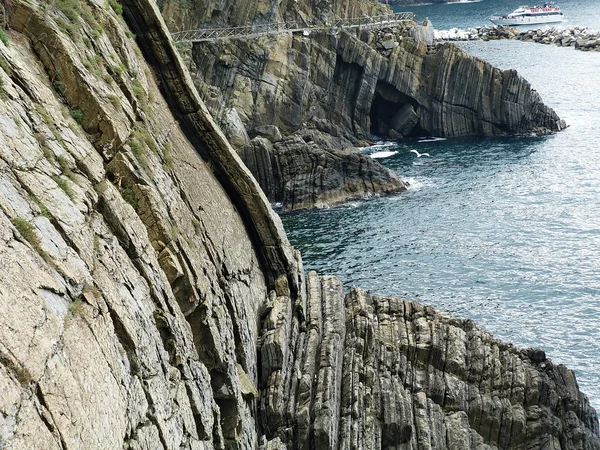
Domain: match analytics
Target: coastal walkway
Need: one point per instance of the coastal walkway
(214, 34)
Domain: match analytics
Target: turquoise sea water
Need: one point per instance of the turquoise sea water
(465, 15)
(504, 231)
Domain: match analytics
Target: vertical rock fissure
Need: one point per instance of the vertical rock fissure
(211, 145)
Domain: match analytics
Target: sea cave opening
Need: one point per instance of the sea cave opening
(393, 114)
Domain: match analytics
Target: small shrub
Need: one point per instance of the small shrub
(145, 137)
(47, 153)
(5, 66)
(129, 34)
(91, 289)
(65, 167)
(70, 8)
(168, 155)
(129, 197)
(136, 147)
(174, 232)
(116, 6)
(75, 306)
(138, 90)
(3, 37)
(40, 205)
(77, 114)
(115, 100)
(59, 87)
(48, 121)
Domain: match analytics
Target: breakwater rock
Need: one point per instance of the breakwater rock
(149, 298)
(581, 38)
(484, 33)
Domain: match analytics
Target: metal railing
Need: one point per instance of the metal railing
(210, 34)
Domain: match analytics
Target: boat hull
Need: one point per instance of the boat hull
(516, 21)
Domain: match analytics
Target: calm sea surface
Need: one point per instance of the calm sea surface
(465, 15)
(503, 231)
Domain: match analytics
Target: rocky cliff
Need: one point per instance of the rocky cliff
(149, 297)
(346, 86)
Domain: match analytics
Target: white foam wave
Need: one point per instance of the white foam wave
(432, 139)
(378, 155)
(379, 145)
(416, 184)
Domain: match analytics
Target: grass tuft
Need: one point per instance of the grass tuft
(116, 6)
(27, 230)
(77, 114)
(4, 37)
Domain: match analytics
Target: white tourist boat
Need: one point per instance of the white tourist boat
(531, 15)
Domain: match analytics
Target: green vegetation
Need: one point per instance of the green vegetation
(91, 289)
(40, 205)
(59, 87)
(174, 232)
(115, 100)
(48, 120)
(116, 6)
(70, 8)
(5, 66)
(97, 31)
(138, 90)
(64, 185)
(66, 168)
(75, 306)
(167, 156)
(77, 114)
(144, 136)
(22, 374)
(27, 230)
(129, 197)
(3, 37)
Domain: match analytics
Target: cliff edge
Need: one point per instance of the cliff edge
(149, 297)
(314, 92)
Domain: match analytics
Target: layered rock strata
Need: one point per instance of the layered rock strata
(149, 297)
(295, 82)
(298, 174)
(364, 371)
(351, 85)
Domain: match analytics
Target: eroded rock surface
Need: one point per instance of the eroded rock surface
(305, 172)
(380, 372)
(353, 84)
(149, 297)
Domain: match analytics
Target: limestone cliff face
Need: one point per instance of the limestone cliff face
(347, 86)
(194, 14)
(149, 298)
(352, 86)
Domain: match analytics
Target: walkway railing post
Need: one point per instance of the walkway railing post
(279, 27)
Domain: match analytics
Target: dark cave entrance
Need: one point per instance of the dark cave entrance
(393, 114)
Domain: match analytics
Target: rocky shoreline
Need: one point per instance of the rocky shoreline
(150, 299)
(295, 105)
(580, 38)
